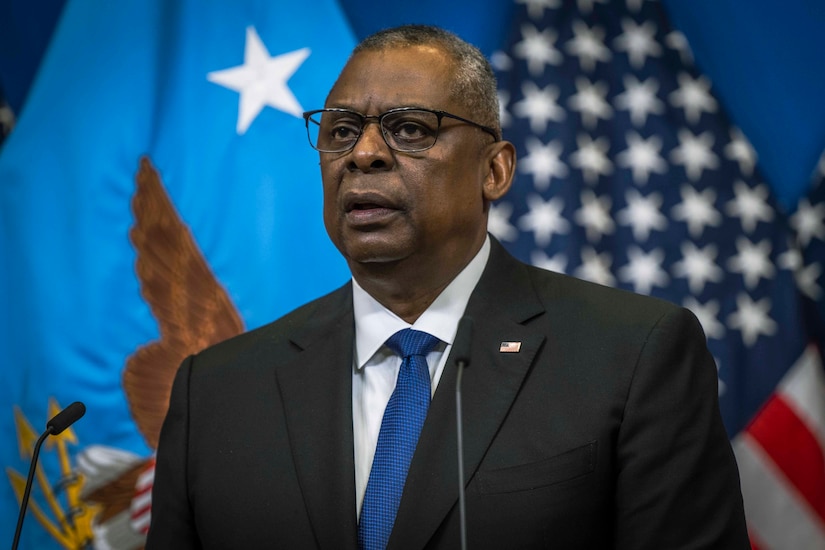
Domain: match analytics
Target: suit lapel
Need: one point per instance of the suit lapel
(316, 389)
(500, 305)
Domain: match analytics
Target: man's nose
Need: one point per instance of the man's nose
(371, 151)
(371, 134)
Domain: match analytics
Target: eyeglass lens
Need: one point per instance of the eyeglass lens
(408, 130)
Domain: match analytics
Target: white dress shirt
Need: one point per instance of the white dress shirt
(375, 366)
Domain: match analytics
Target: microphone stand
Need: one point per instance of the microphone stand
(462, 507)
(56, 425)
(461, 353)
(24, 502)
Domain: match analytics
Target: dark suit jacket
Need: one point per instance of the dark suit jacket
(602, 432)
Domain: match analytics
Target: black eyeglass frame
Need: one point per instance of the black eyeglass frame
(380, 119)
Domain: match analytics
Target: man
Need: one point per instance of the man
(590, 414)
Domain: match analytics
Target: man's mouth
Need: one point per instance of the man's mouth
(359, 201)
(368, 209)
(365, 206)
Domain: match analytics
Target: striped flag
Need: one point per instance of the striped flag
(630, 174)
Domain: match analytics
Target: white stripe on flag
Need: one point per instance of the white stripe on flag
(778, 517)
(141, 503)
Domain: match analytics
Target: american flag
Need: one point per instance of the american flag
(630, 174)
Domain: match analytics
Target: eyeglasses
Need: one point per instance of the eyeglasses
(406, 129)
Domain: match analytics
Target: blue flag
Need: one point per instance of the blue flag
(105, 260)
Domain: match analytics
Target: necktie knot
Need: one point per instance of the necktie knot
(409, 342)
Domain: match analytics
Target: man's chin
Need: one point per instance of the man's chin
(374, 249)
(375, 259)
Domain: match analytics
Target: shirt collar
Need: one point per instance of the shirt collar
(374, 323)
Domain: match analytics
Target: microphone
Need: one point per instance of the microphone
(56, 425)
(461, 354)
(65, 418)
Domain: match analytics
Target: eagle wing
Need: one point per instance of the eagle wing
(191, 307)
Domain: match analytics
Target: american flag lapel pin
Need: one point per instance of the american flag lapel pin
(510, 347)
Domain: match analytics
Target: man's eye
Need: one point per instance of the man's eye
(344, 131)
(410, 130)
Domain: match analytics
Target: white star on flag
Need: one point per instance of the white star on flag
(261, 80)
(543, 162)
(697, 210)
(537, 48)
(642, 214)
(595, 267)
(644, 269)
(695, 153)
(751, 318)
(698, 266)
(539, 105)
(638, 41)
(591, 157)
(545, 219)
(694, 97)
(642, 157)
(594, 216)
(752, 261)
(588, 46)
(589, 100)
(750, 205)
(640, 99)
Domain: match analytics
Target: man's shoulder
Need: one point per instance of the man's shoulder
(561, 284)
(576, 301)
(605, 300)
(557, 289)
(277, 335)
(576, 310)
(319, 311)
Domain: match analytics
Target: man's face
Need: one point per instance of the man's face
(381, 205)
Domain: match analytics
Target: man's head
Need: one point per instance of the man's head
(419, 214)
(473, 79)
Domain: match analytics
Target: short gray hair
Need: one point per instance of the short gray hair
(474, 82)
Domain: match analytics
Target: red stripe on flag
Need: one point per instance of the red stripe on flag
(755, 543)
(793, 448)
(138, 511)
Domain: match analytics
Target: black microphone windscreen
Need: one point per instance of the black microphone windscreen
(66, 417)
(463, 339)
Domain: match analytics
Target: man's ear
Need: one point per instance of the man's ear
(501, 158)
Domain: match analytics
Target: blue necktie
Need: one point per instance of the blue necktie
(400, 428)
